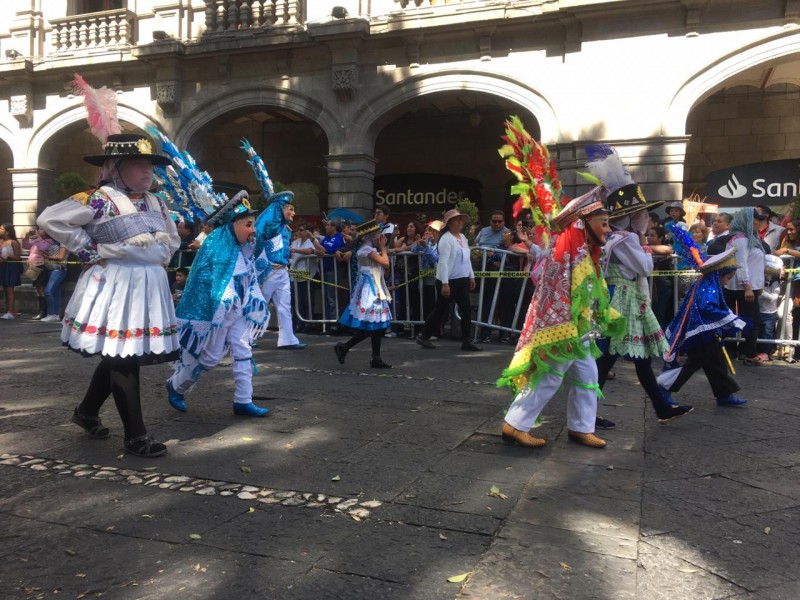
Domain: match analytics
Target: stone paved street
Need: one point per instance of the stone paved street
(365, 484)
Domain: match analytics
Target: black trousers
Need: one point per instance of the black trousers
(644, 371)
(710, 358)
(459, 295)
(736, 302)
(118, 378)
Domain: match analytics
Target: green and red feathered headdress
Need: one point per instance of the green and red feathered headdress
(539, 188)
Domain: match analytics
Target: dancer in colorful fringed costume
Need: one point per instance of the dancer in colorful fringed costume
(368, 311)
(702, 319)
(222, 309)
(569, 307)
(121, 308)
(274, 233)
(626, 266)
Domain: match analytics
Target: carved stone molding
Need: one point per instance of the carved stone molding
(168, 96)
(21, 109)
(344, 81)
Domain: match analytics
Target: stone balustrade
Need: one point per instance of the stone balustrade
(100, 30)
(224, 16)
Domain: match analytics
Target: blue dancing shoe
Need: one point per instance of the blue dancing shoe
(731, 400)
(667, 396)
(297, 346)
(249, 410)
(176, 400)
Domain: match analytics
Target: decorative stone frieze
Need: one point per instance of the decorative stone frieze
(344, 81)
(168, 96)
(21, 109)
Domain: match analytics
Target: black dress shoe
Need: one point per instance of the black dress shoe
(377, 363)
(674, 412)
(470, 347)
(601, 423)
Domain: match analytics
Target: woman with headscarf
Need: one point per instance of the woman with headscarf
(744, 288)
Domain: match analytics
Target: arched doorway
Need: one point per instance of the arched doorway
(292, 146)
(439, 147)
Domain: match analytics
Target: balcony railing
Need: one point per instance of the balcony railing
(105, 30)
(224, 16)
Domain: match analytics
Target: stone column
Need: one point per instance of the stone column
(32, 190)
(351, 182)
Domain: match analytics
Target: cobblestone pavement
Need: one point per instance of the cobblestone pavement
(365, 484)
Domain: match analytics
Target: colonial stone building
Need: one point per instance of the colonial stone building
(401, 102)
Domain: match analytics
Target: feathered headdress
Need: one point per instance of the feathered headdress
(259, 169)
(539, 188)
(606, 169)
(101, 108)
(190, 190)
(684, 246)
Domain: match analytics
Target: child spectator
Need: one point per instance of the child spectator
(10, 266)
(56, 274)
(36, 243)
(181, 275)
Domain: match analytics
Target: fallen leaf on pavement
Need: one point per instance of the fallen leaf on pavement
(496, 493)
(688, 570)
(565, 566)
(147, 516)
(251, 510)
(150, 469)
(442, 536)
(247, 439)
(70, 552)
(245, 469)
(459, 578)
(767, 530)
(336, 478)
(195, 536)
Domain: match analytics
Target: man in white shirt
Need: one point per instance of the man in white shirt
(302, 259)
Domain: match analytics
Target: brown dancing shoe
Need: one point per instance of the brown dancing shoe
(523, 438)
(587, 439)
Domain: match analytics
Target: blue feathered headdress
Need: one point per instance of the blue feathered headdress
(190, 191)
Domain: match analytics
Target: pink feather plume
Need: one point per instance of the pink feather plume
(101, 108)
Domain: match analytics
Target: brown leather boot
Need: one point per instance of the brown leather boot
(523, 438)
(587, 439)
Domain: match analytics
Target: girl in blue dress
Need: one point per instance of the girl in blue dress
(368, 312)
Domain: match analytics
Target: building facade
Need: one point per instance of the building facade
(401, 102)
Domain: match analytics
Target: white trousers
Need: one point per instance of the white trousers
(581, 402)
(232, 332)
(278, 290)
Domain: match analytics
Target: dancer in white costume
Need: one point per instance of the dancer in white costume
(121, 308)
(222, 308)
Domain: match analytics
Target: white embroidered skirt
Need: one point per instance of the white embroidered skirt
(123, 309)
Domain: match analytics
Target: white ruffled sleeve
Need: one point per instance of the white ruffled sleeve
(64, 222)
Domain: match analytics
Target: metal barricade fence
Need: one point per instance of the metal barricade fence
(503, 292)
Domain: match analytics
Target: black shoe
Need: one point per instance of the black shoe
(674, 412)
(470, 347)
(425, 342)
(601, 423)
(377, 363)
(341, 352)
(92, 425)
(145, 446)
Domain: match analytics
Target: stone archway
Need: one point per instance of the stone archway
(709, 79)
(376, 112)
(243, 98)
(280, 127)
